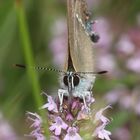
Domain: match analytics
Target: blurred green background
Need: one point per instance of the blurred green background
(38, 25)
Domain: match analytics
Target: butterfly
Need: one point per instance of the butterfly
(78, 76)
(80, 58)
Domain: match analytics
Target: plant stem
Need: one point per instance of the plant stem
(28, 55)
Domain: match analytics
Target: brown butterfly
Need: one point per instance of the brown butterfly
(78, 76)
(80, 59)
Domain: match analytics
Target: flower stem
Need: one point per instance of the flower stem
(28, 55)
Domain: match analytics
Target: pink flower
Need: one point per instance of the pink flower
(37, 135)
(51, 105)
(114, 95)
(100, 117)
(125, 45)
(72, 134)
(101, 133)
(128, 101)
(89, 100)
(54, 138)
(103, 29)
(107, 62)
(58, 125)
(37, 124)
(76, 104)
(69, 117)
(37, 121)
(83, 114)
(6, 131)
(134, 63)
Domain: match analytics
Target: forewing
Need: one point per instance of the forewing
(80, 47)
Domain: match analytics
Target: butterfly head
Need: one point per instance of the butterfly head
(71, 78)
(75, 81)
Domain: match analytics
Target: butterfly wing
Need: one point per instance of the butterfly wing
(80, 47)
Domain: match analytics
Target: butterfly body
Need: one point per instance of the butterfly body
(75, 84)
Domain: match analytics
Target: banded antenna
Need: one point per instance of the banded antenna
(99, 72)
(59, 71)
(39, 68)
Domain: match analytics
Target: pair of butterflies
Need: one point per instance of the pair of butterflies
(79, 74)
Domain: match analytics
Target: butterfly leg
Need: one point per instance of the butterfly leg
(84, 96)
(61, 93)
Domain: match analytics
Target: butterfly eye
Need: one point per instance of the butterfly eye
(65, 80)
(76, 80)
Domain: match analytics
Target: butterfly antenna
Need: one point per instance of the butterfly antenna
(20, 66)
(49, 69)
(38, 68)
(100, 72)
